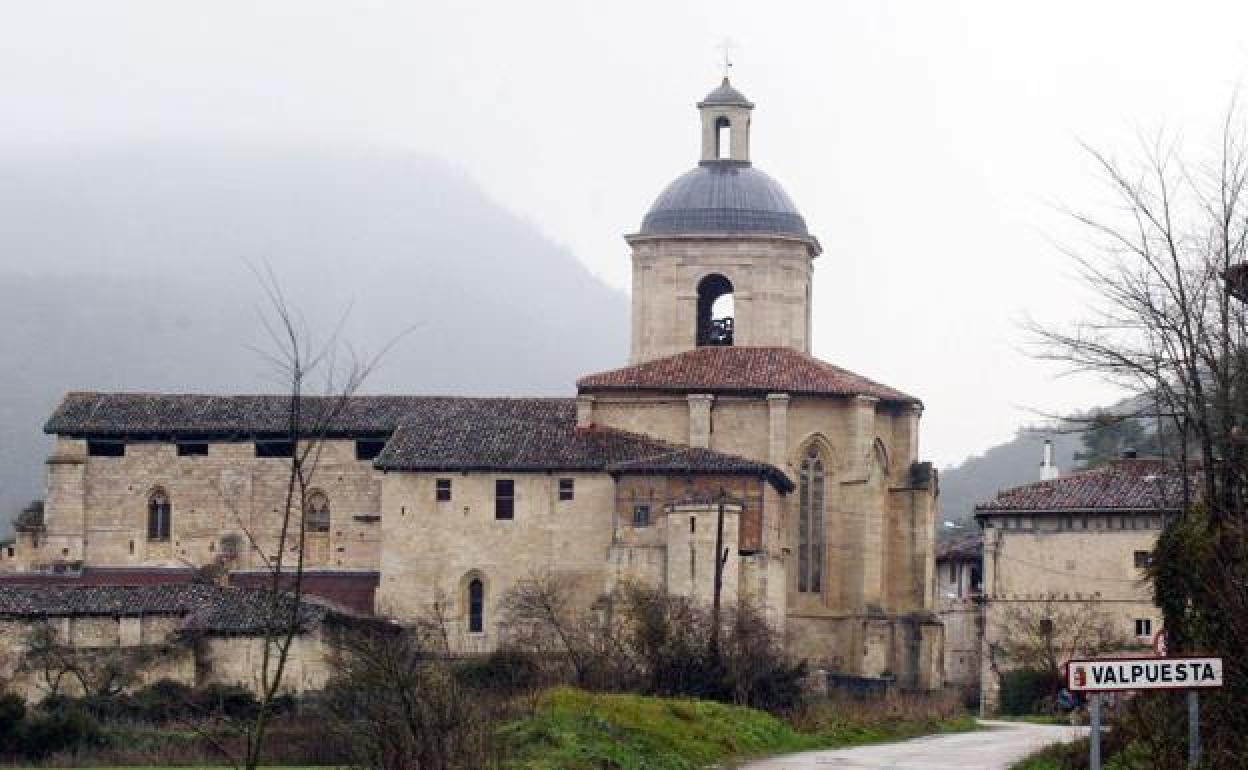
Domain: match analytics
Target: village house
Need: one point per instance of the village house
(958, 599)
(722, 411)
(1080, 541)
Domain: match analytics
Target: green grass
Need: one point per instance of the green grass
(575, 730)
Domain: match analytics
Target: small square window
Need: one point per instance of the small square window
(1143, 627)
(641, 515)
(504, 499)
(275, 449)
(192, 449)
(1143, 559)
(567, 489)
(106, 448)
(368, 449)
(442, 492)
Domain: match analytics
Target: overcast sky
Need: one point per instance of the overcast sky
(928, 144)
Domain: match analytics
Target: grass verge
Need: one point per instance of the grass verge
(575, 730)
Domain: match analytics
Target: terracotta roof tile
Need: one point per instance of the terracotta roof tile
(1135, 484)
(544, 437)
(733, 369)
(207, 608)
(424, 432)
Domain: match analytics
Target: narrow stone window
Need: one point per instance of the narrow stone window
(567, 489)
(192, 449)
(810, 536)
(504, 499)
(476, 606)
(159, 513)
(442, 490)
(723, 138)
(316, 512)
(1143, 627)
(641, 515)
(1143, 559)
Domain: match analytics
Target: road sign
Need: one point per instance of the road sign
(1117, 674)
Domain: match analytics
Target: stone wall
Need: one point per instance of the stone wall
(879, 528)
(771, 279)
(1084, 561)
(157, 652)
(97, 507)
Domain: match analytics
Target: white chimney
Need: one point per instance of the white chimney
(1047, 469)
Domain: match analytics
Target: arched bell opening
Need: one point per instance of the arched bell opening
(715, 311)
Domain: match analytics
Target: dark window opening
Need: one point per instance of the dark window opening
(504, 499)
(316, 512)
(368, 449)
(567, 489)
(693, 524)
(159, 513)
(1046, 626)
(715, 311)
(476, 606)
(641, 515)
(192, 449)
(442, 490)
(275, 449)
(976, 581)
(1143, 627)
(1143, 559)
(723, 138)
(106, 448)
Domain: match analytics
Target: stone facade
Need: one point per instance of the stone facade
(1083, 541)
(958, 599)
(770, 276)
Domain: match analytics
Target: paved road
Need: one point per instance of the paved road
(995, 748)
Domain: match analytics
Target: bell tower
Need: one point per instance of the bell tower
(723, 257)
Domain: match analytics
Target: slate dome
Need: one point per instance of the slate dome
(724, 197)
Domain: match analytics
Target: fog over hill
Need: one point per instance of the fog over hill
(128, 269)
(978, 478)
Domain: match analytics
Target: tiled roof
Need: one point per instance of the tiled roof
(962, 547)
(1128, 484)
(542, 436)
(732, 369)
(129, 414)
(426, 432)
(206, 608)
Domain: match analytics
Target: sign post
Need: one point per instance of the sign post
(1126, 674)
(1094, 739)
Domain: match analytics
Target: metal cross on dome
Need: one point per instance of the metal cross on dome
(728, 47)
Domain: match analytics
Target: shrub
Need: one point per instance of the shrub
(1024, 690)
(48, 733)
(505, 671)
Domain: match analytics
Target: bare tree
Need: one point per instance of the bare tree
(1044, 635)
(1165, 326)
(320, 381)
(1167, 268)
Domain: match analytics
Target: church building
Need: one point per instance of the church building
(721, 410)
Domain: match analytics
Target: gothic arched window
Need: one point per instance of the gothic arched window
(316, 512)
(159, 513)
(476, 606)
(810, 534)
(715, 311)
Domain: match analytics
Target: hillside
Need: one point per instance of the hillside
(131, 269)
(1017, 461)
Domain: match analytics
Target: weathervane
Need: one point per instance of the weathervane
(728, 47)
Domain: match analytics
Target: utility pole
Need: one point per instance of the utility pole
(721, 556)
